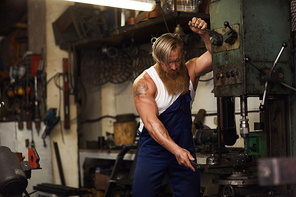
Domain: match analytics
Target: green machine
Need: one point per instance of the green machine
(251, 51)
(252, 57)
(254, 29)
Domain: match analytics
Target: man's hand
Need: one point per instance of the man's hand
(184, 157)
(198, 25)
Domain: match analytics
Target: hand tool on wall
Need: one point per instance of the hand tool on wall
(34, 63)
(50, 121)
(37, 117)
(33, 158)
(66, 94)
(27, 105)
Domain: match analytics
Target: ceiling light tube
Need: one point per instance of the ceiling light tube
(125, 4)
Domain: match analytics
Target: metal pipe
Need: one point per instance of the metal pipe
(219, 127)
(59, 162)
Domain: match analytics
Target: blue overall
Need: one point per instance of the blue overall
(154, 161)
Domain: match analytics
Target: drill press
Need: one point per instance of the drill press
(252, 33)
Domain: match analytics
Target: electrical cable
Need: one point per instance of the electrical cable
(56, 79)
(165, 22)
(57, 84)
(100, 118)
(26, 193)
(97, 119)
(29, 194)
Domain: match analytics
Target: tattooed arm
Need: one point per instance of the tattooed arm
(144, 93)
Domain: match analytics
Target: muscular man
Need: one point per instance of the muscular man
(163, 95)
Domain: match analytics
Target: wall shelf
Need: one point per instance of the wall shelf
(141, 32)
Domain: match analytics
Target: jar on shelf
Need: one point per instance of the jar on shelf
(182, 5)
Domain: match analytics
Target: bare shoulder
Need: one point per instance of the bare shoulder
(144, 91)
(199, 66)
(191, 67)
(143, 86)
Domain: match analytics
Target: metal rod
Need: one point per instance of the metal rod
(277, 58)
(175, 8)
(264, 93)
(260, 70)
(244, 111)
(164, 20)
(58, 157)
(287, 86)
(219, 127)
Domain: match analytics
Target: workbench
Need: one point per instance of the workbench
(110, 154)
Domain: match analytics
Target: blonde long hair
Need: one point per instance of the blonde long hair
(163, 46)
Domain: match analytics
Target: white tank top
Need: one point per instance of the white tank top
(163, 99)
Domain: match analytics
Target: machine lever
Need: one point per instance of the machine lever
(262, 104)
(284, 45)
(226, 24)
(230, 36)
(270, 75)
(287, 86)
(248, 60)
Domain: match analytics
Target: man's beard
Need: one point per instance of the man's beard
(175, 81)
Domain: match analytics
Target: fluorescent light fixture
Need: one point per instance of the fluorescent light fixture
(125, 4)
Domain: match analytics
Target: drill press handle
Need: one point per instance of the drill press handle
(270, 76)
